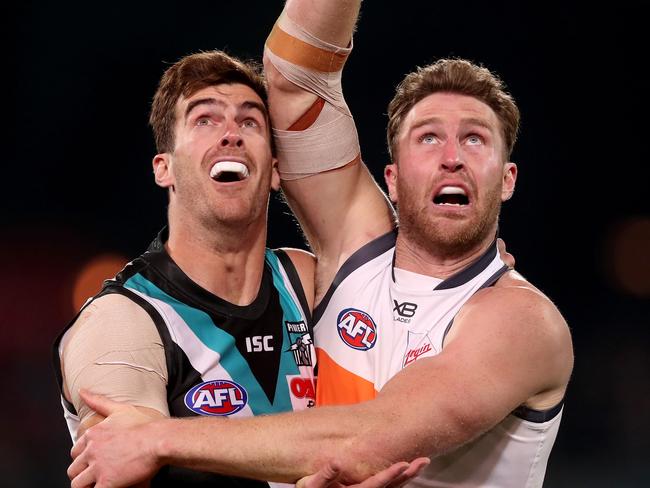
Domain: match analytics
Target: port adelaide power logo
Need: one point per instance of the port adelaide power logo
(301, 342)
(216, 397)
(357, 329)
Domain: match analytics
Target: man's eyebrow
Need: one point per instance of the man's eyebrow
(247, 105)
(427, 121)
(201, 101)
(252, 105)
(480, 122)
(468, 121)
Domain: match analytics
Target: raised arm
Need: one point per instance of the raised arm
(330, 190)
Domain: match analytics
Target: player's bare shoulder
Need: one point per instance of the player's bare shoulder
(113, 313)
(521, 318)
(515, 300)
(514, 292)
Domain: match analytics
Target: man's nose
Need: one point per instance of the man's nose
(451, 157)
(232, 136)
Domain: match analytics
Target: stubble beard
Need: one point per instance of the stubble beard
(446, 236)
(201, 205)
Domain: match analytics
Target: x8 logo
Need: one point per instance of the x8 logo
(405, 309)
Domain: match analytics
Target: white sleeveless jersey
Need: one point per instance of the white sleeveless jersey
(368, 327)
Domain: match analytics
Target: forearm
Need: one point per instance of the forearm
(332, 21)
(280, 447)
(332, 24)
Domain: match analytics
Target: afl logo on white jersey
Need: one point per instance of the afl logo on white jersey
(357, 329)
(217, 397)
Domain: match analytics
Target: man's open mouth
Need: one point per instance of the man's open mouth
(228, 171)
(451, 195)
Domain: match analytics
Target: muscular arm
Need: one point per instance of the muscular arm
(341, 209)
(510, 347)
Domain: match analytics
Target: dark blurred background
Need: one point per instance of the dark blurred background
(78, 196)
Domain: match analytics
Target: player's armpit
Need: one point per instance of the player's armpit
(305, 264)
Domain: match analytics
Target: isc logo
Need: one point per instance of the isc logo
(259, 343)
(357, 329)
(217, 397)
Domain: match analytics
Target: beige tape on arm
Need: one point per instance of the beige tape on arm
(315, 66)
(114, 349)
(330, 143)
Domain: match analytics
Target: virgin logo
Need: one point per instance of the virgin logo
(414, 354)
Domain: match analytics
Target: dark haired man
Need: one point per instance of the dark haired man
(204, 322)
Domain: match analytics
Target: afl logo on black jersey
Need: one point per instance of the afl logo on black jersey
(357, 329)
(217, 397)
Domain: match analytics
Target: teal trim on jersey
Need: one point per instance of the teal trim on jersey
(219, 340)
(291, 313)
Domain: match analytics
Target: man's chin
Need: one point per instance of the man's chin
(448, 237)
(235, 216)
(231, 219)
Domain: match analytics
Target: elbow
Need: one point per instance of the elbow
(276, 81)
(359, 458)
(373, 447)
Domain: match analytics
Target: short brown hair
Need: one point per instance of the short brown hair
(453, 76)
(191, 74)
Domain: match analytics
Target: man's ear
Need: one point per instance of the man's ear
(162, 170)
(509, 180)
(390, 175)
(275, 175)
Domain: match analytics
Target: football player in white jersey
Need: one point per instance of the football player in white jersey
(451, 132)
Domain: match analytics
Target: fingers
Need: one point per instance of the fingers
(507, 258)
(100, 403)
(85, 479)
(394, 476)
(387, 477)
(414, 468)
(77, 467)
(78, 447)
(501, 246)
(325, 477)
